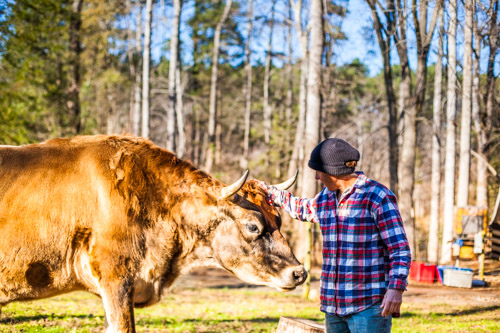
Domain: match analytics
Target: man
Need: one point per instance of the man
(366, 256)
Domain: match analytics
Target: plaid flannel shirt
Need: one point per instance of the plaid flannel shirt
(365, 249)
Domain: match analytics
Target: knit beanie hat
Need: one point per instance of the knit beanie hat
(334, 157)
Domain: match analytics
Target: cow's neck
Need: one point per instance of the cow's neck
(179, 241)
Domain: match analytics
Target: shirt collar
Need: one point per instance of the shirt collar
(361, 181)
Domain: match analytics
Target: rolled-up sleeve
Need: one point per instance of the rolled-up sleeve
(393, 235)
(303, 209)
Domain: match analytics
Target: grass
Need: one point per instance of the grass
(228, 310)
(448, 318)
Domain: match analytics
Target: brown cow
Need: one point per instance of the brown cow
(122, 218)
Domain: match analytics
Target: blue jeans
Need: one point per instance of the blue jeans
(367, 321)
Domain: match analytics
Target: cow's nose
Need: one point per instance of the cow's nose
(299, 275)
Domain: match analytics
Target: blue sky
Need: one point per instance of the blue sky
(357, 25)
(359, 17)
(357, 46)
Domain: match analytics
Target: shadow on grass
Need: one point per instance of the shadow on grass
(204, 322)
(476, 309)
(242, 285)
(233, 286)
(253, 320)
(22, 319)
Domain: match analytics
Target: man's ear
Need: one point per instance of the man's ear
(350, 164)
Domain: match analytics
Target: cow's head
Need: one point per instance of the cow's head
(248, 241)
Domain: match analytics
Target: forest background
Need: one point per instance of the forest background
(255, 84)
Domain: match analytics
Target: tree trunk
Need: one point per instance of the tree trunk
(213, 90)
(218, 145)
(407, 174)
(464, 161)
(267, 107)
(131, 66)
(298, 146)
(145, 70)
(449, 170)
(172, 76)
(136, 117)
(482, 175)
(197, 144)
(392, 128)
(493, 34)
(289, 74)
(433, 242)
(412, 112)
(408, 115)
(490, 75)
(400, 42)
(484, 128)
(247, 88)
(73, 102)
(180, 147)
(309, 187)
(287, 107)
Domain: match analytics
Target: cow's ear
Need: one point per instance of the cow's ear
(230, 190)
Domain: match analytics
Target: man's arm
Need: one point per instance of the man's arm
(303, 209)
(393, 234)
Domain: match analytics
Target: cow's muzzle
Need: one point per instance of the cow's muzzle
(291, 277)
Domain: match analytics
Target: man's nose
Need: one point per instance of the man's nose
(316, 176)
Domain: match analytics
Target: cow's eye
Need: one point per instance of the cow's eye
(252, 228)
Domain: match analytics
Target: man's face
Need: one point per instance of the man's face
(329, 181)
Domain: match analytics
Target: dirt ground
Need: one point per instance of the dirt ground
(476, 296)
(417, 293)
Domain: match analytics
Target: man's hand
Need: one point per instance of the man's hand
(392, 302)
(263, 185)
(266, 188)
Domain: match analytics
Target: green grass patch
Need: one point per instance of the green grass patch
(227, 310)
(205, 310)
(447, 318)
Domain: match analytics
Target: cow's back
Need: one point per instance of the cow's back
(54, 197)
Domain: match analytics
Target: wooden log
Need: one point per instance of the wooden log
(299, 325)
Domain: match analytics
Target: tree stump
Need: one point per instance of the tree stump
(299, 325)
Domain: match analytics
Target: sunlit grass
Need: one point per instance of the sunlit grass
(448, 318)
(228, 310)
(205, 310)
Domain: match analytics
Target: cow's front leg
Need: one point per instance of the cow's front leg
(118, 301)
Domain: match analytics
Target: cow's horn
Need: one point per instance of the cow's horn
(287, 183)
(230, 190)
